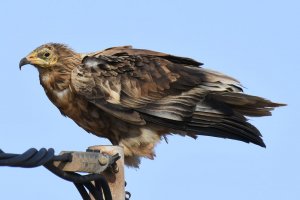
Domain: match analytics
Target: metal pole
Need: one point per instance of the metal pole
(115, 179)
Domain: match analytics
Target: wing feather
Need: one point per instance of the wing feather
(140, 86)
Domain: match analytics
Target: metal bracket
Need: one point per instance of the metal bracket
(89, 162)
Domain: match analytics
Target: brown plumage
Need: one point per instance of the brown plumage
(135, 97)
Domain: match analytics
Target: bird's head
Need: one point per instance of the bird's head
(47, 56)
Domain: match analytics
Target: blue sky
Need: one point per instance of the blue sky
(255, 41)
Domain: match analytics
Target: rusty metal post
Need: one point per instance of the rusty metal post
(116, 180)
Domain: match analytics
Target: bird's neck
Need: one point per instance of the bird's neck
(56, 83)
(58, 77)
(55, 79)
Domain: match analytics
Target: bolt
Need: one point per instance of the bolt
(103, 160)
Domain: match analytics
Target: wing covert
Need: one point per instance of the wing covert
(128, 84)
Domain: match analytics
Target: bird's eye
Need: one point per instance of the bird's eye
(47, 54)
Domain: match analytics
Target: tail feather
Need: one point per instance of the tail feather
(217, 114)
(246, 104)
(225, 127)
(223, 115)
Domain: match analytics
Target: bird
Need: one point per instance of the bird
(136, 97)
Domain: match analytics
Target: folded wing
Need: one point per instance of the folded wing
(140, 86)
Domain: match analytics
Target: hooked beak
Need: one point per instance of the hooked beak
(23, 61)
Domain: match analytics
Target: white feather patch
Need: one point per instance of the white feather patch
(61, 94)
(45, 78)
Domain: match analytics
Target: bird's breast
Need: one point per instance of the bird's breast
(81, 111)
(65, 101)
